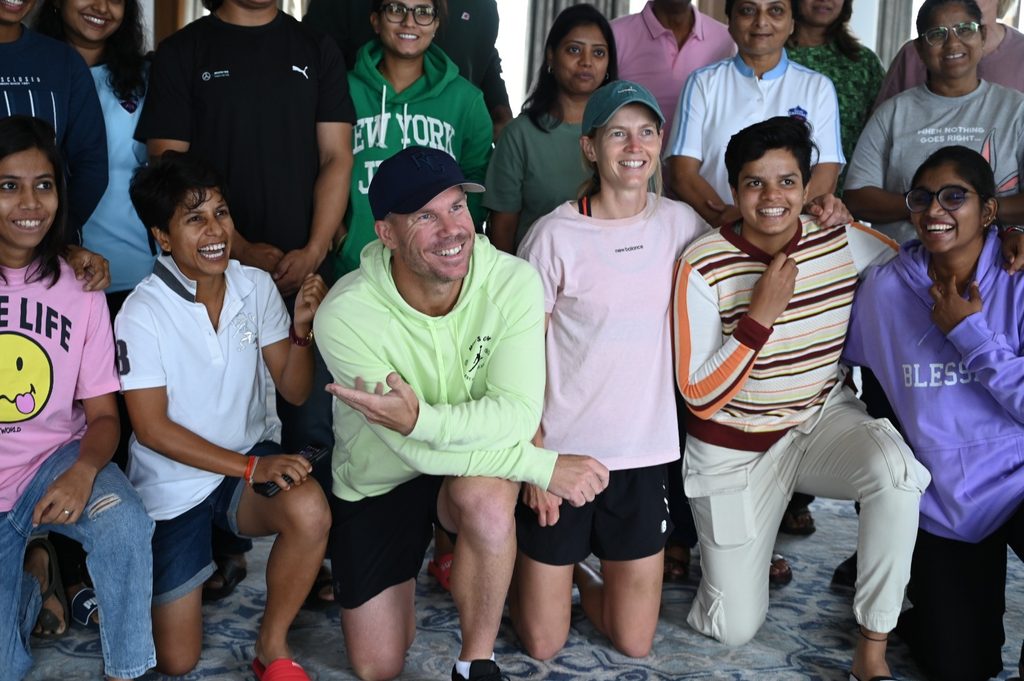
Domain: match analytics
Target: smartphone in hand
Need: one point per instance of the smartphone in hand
(311, 453)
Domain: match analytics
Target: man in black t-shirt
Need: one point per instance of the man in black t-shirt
(265, 100)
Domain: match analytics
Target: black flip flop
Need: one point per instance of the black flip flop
(49, 622)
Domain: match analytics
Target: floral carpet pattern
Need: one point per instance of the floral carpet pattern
(809, 634)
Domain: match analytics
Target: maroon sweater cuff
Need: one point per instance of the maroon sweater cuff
(751, 333)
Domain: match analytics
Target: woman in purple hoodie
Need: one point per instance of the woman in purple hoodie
(942, 327)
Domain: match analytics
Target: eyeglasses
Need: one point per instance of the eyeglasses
(950, 198)
(966, 31)
(395, 12)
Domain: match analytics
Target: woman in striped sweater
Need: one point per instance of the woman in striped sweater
(761, 311)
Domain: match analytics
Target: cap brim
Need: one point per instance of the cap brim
(604, 120)
(413, 204)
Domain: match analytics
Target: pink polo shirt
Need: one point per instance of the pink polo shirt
(649, 55)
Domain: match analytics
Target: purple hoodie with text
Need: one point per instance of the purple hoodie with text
(960, 397)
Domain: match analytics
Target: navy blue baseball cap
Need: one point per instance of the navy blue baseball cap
(412, 178)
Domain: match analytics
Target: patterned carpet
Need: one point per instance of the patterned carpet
(809, 634)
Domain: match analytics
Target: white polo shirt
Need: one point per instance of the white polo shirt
(726, 97)
(215, 379)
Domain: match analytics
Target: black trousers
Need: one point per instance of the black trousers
(955, 629)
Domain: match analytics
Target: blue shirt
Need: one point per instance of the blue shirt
(114, 230)
(45, 78)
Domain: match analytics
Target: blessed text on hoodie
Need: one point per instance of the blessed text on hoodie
(441, 110)
(478, 372)
(957, 395)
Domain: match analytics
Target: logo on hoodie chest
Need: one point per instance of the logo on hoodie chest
(479, 351)
(378, 132)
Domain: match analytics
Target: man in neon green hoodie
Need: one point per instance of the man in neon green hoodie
(455, 331)
(407, 92)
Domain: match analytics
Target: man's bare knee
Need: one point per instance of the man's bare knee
(541, 646)
(376, 665)
(376, 668)
(485, 505)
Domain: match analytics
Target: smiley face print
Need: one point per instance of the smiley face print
(26, 378)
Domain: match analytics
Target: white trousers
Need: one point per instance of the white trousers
(738, 499)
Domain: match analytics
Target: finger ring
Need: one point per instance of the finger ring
(67, 512)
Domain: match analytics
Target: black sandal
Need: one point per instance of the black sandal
(48, 622)
(315, 599)
(232, 572)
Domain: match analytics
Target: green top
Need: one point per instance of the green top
(440, 110)
(857, 84)
(532, 172)
(478, 372)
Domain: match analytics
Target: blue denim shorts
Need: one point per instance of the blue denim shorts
(182, 552)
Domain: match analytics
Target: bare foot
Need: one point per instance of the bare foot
(869, 658)
(37, 564)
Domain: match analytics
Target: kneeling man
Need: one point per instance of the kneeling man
(437, 346)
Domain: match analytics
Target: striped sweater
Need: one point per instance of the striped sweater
(746, 385)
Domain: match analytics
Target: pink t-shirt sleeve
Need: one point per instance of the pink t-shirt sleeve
(537, 249)
(96, 375)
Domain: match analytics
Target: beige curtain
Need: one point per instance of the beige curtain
(542, 15)
(895, 27)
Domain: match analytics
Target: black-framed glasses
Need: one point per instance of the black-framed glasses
(950, 198)
(395, 12)
(966, 31)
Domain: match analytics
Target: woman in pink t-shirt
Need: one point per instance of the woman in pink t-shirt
(59, 426)
(606, 263)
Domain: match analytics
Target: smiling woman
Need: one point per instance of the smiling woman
(536, 164)
(955, 106)
(760, 82)
(57, 385)
(407, 92)
(956, 390)
(606, 261)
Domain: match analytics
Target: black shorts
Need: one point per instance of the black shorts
(378, 542)
(627, 521)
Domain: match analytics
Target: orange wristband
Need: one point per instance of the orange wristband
(250, 469)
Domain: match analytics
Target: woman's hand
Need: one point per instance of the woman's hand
(274, 468)
(91, 268)
(66, 497)
(307, 301)
(950, 307)
(543, 503)
(773, 291)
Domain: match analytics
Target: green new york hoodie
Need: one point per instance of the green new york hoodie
(441, 110)
(478, 372)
